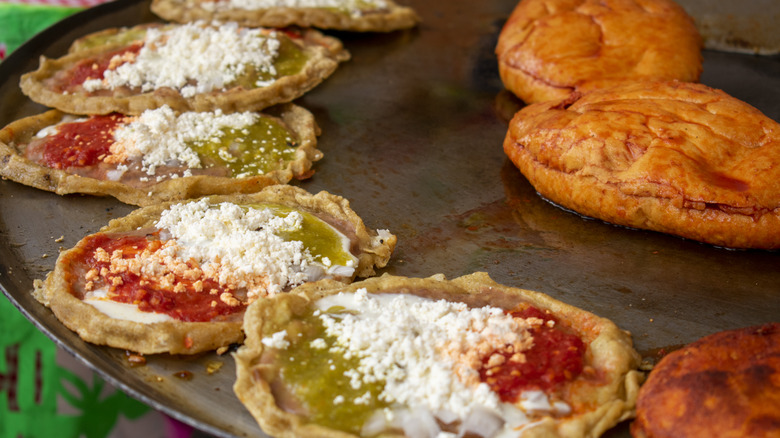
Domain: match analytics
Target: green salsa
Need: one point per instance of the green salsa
(253, 150)
(316, 377)
(124, 37)
(290, 60)
(317, 236)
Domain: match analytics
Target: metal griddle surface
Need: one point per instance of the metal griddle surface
(412, 134)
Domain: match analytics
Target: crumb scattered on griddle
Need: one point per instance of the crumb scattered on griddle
(213, 366)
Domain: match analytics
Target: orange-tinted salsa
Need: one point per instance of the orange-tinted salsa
(149, 295)
(556, 357)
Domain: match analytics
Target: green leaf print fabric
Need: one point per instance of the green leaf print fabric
(38, 396)
(45, 392)
(34, 388)
(20, 22)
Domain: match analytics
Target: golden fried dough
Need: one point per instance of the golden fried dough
(724, 385)
(285, 66)
(679, 158)
(549, 48)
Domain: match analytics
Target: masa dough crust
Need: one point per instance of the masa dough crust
(373, 250)
(324, 53)
(597, 407)
(14, 166)
(394, 17)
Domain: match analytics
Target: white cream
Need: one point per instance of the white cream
(122, 311)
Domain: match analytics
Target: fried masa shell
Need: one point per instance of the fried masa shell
(14, 166)
(598, 406)
(678, 158)
(724, 385)
(372, 250)
(549, 48)
(394, 17)
(323, 56)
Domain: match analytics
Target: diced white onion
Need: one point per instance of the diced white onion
(419, 423)
(482, 422)
(535, 402)
(341, 271)
(561, 408)
(115, 174)
(447, 417)
(376, 424)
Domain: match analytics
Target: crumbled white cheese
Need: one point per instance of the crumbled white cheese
(277, 340)
(192, 58)
(427, 354)
(402, 339)
(159, 137)
(238, 245)
(319, 344)
(363, 399)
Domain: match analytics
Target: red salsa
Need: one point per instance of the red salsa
(80, 144)
(93, 68)
(190, 303)
(556, 357)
